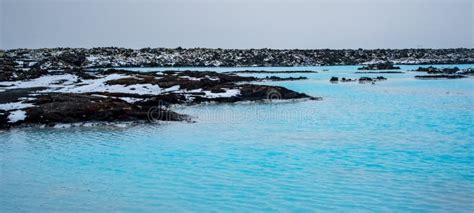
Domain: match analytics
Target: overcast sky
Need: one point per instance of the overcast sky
(237, 23)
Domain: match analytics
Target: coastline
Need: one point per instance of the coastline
(73, 96)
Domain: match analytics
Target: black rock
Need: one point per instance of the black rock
(365, 79)
(72, 58)
(434, 70)
(4, 119)
(380, 66)
(439, 76)
(276, 78)
(71, 108)
(53, 108)
(269, 72)
(381, 72)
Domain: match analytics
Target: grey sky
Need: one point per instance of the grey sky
(237, 23)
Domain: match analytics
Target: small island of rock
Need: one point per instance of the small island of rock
(380, 66)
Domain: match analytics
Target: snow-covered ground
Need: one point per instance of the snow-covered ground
(14, 106)
(17, 115)
(70, 83)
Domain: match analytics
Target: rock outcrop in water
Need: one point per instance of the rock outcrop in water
(435, 70)
(361, 80)
(439, 76)
(380, 72)
(75, 95)
(72, 108)
(380, 66)
(449, 71)
(276, 78)
(443, 73)
(270, 72)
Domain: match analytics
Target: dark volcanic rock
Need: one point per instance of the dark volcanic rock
(163, 100)
(439, 76)
(71, 108)
(365, 79)
(262, 92)
(348, 79)
(382, 72)
(124, 104)
(73, 58)
(269, 72)
(13, 95)
(447, 71)
(251, 92)
(276, 78)
(380, 66)
(361, 79)
(201, 80)
(4, 119)
(434, 70)
(12, 74)
(107, 57)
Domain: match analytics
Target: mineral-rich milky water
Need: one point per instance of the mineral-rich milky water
(401, 145)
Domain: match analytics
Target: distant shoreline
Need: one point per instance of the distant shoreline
(111, 57)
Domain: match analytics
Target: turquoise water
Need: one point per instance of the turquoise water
(399, 145)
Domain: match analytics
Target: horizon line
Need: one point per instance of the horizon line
(218, 48)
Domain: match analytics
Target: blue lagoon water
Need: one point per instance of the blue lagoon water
(399, 145)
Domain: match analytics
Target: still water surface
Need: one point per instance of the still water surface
(400, 145)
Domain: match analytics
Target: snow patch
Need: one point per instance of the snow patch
(190, 78)
(228, 93)
(16, 116)
(212, 79)
(14, 105)
(130, 100)
(99, 85)
(52, 81)
(172, 89)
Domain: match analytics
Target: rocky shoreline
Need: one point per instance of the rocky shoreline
(108, 57)
(75, 95)
(443, 73)
(53, 86)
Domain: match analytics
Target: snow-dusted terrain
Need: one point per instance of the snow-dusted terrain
(119, 95)
(63, 58)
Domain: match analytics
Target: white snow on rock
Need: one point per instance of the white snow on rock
(194, 91)
(130, 100)
(14, 105)
(99, 85)
(52, 81)
(68, 83)
(16, 116)
(190, 78)
(92, 58)
(228, 93)
(212, 79)
(172, 89)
